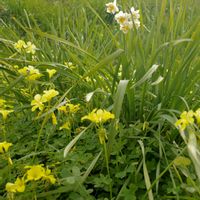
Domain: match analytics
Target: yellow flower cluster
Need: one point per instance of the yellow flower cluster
(3, 110)
(69, 108)
(30, 72)
(34, 173)
(22, 46)
(99, 116)
(39, 100)
(188, 118)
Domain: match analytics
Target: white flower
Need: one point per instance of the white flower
(136, 16)
(126, 26)
(112, 7)
(122, 17)
(137, 23)
(135, 13)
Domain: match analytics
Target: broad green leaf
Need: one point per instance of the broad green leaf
(119, 97)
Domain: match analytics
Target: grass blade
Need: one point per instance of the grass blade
(145, 171)
(73, 142)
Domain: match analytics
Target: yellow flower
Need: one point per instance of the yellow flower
(98, 116)
(73, 108)
(49, 94)
(69, 107)
(2, 102)
(182, 124)
(4, 146)
(66, 125)
(35, 172)
(16, 67)
(51, 72)
(30, 72)
(54, 120)
(11, 187)
(197, 115)
(70, 65)
(5, 113)
(87, 79)
(30, 48)
(19, 45)
(186, 118)
(49, 177)
(112, 7)
(37, 103)
(18, 186)
(63, 109)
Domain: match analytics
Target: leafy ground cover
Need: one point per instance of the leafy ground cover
(99, 100)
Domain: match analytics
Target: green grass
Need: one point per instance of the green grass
(146, 78)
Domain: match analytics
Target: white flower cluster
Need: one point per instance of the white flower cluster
(124, 19)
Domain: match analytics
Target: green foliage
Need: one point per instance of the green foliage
(145, 77)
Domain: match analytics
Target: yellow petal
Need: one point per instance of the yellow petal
(51, 72)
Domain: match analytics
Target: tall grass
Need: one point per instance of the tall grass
(145, 78)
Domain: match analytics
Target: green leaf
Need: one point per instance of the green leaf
(103, 63)
(119, 97)
(159, 80)
(182, 161)
(90, 168)
(146, 174)
(147, 76)
(73, 142)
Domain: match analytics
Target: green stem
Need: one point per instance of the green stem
(4, 129)
(40, 132)
(107, 166)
